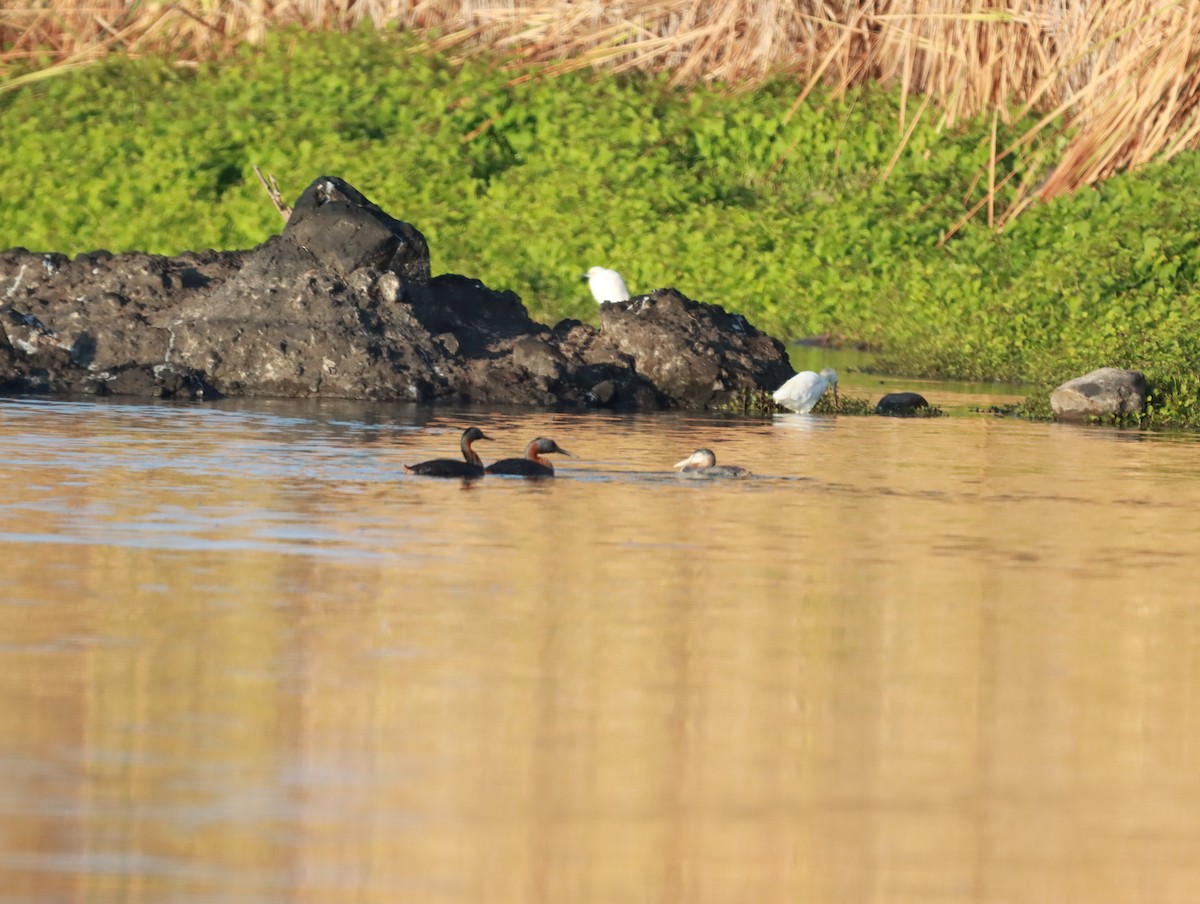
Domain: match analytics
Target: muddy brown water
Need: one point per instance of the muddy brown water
(244, 658)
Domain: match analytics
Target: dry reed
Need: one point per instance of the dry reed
(1121, 79)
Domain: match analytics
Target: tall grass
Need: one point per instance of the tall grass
(1120, 80)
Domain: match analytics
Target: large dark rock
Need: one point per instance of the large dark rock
(696, 354)
(343, 231)
(342, 304)
(1105, 392)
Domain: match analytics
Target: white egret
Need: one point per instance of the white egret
(606, 285)
(702, 463)
(802, 391)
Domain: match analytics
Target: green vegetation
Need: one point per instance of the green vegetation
(759, 402)
(789, 221)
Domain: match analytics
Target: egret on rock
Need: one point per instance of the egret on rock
(802, 391)
(606, 285)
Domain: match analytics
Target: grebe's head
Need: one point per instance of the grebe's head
(701, 458)
(473, 433)
(544, 446)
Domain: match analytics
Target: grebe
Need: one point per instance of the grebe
(802, 391)
(532, 465)
(702, 463)
(471, 466)
(606, 285)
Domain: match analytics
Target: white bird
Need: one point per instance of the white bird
(802, 391)
(606, 285)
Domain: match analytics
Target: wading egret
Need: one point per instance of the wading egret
(606, 285)
(802, 391)
(532, 465)
(471, 466)
(702, 463)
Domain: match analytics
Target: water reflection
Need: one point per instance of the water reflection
(242, 657)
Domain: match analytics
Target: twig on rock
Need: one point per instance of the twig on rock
(272, 189)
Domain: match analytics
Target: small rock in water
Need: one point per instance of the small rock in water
(901, 404)
(1107, 391)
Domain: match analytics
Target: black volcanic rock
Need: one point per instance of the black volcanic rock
(695, 354)
(342, 304)
(343, 231)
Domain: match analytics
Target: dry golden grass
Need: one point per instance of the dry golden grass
(1124, 76)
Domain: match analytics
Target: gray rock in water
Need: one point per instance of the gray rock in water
(341, 304)
(1108, 391)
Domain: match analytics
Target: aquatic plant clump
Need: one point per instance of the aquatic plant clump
(759, 402)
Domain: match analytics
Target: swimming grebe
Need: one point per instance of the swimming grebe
(802, 391)
(606, 285)
(471, 466)
(702, 463)
(532, 465)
